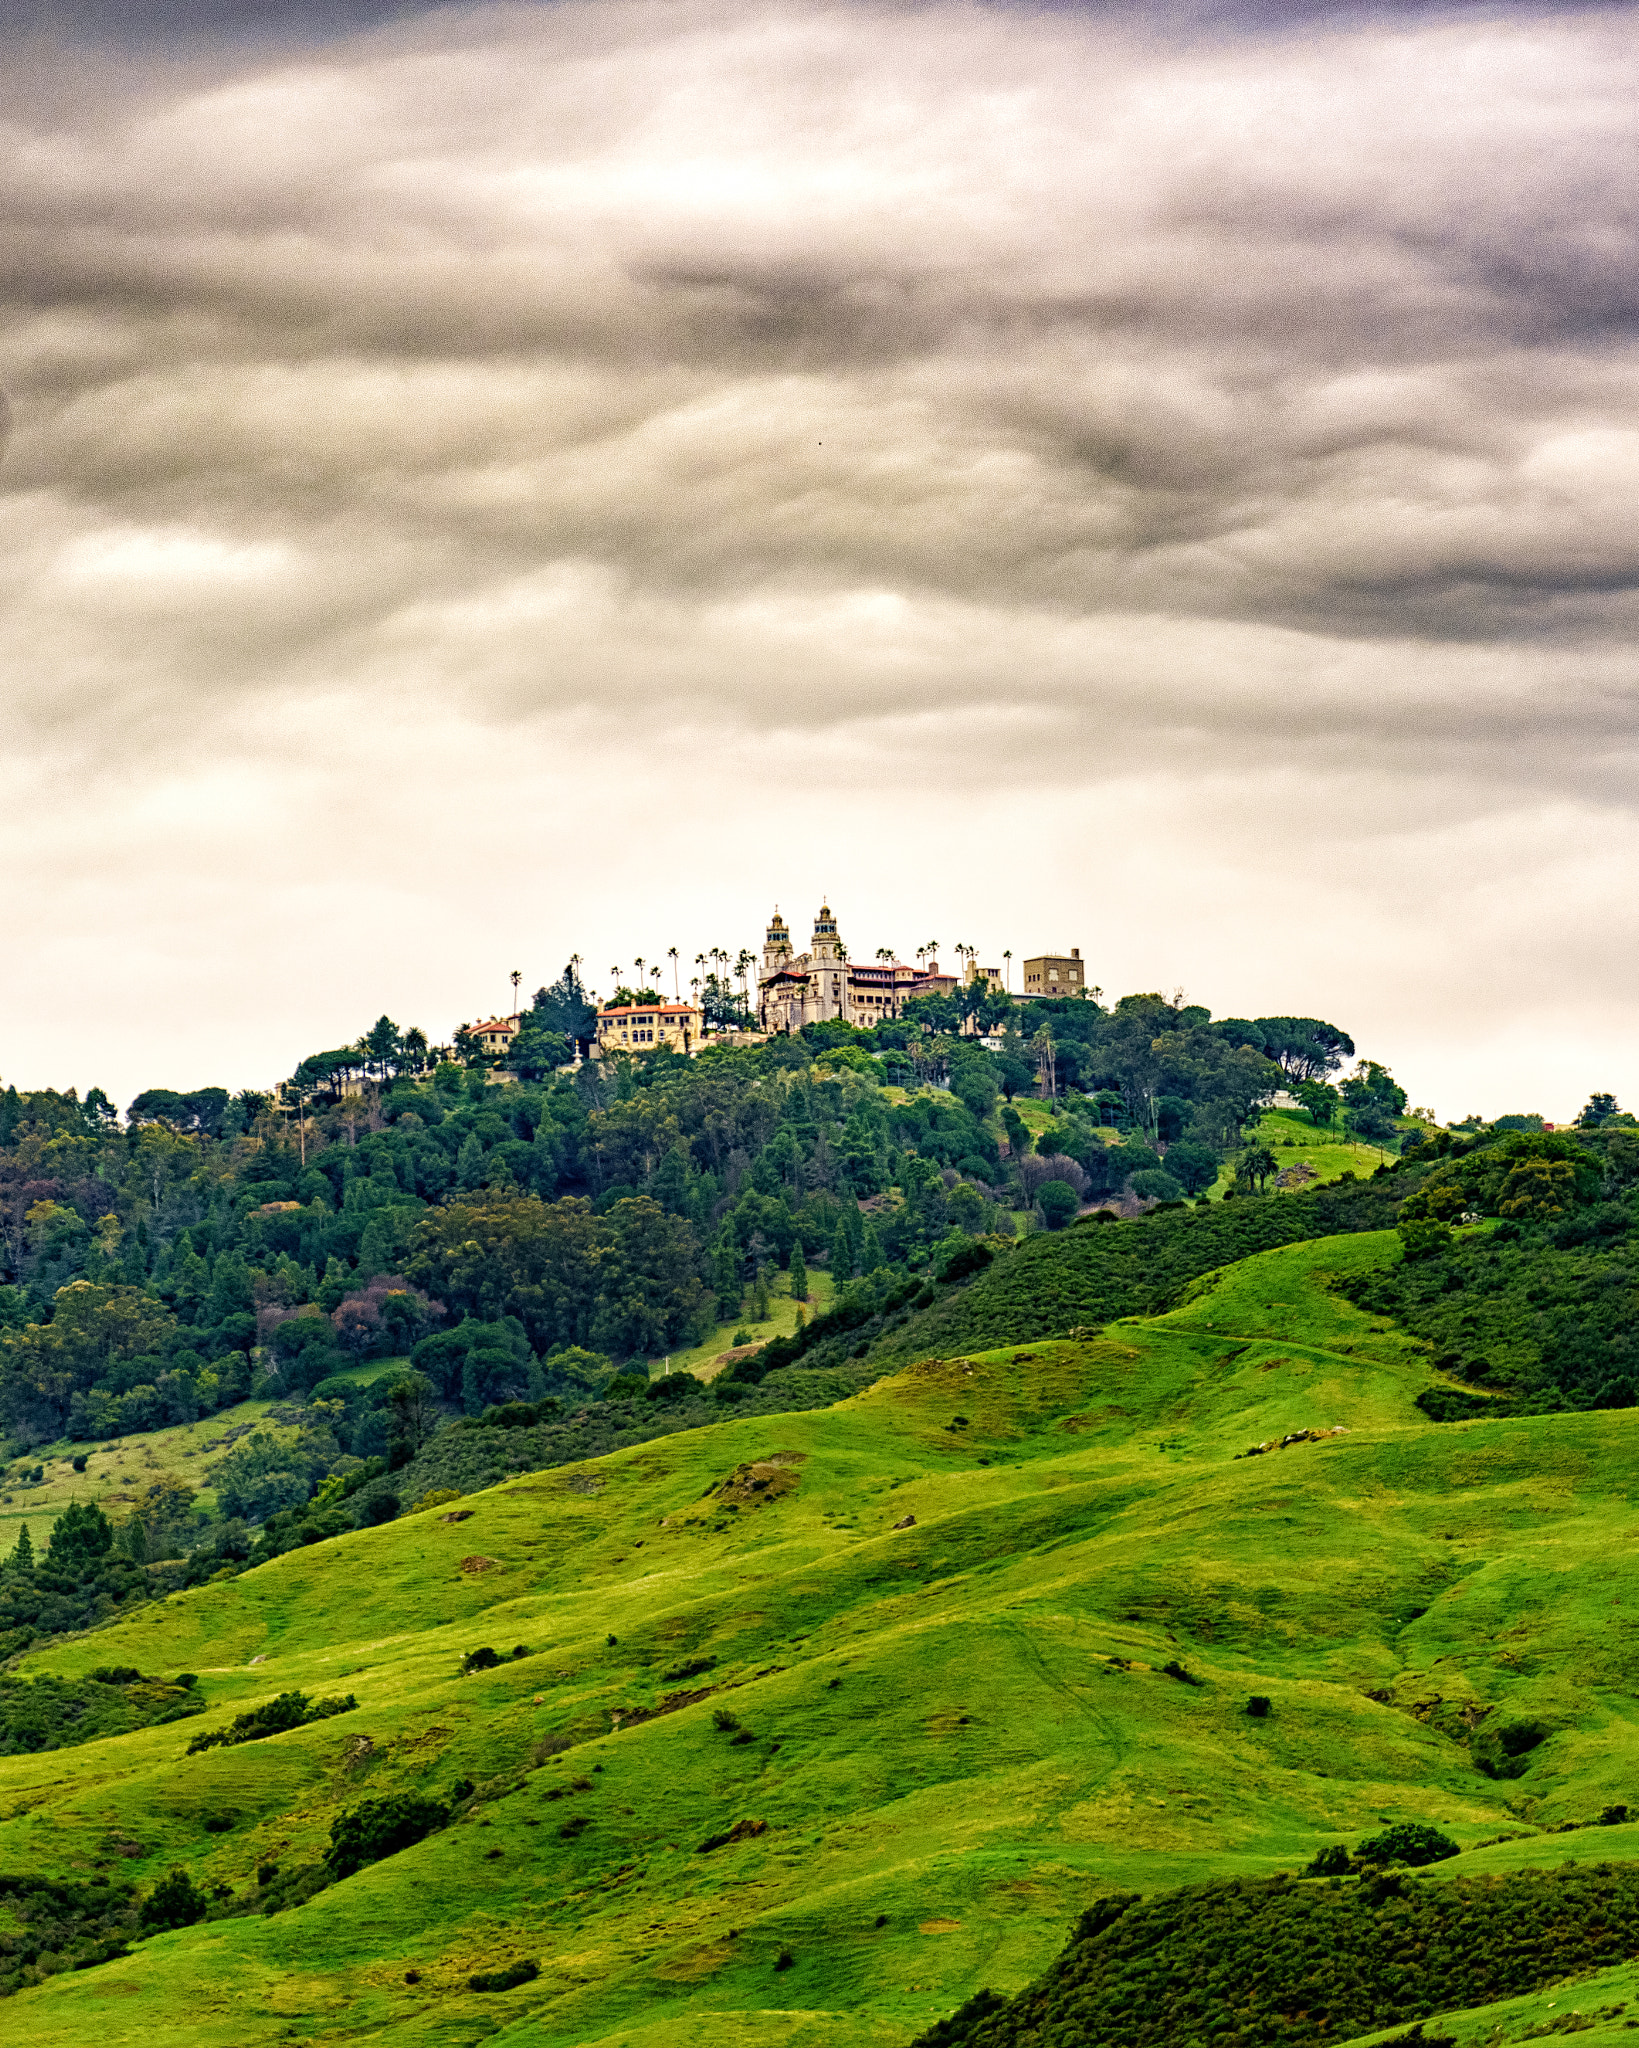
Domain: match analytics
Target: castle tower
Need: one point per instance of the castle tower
(827, 971)
(776, 945)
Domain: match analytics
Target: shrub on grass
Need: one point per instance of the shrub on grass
(381, 1827)
(504, 1980)
(1173, 1669)
(1332, 1861)
(484, 1659)
(1258, 1706)
(723, 1721)
(1413, 1842)
(692, 1669)
(273, 1717)
(784, 1960)
(176, 1901)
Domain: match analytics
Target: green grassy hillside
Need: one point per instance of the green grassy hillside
(938, 1618)
(1057, 1281)
(115, 1471)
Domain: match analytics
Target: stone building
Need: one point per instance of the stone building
(1055, 974)
(640, 1027)
(794, 989)
(494, 1036)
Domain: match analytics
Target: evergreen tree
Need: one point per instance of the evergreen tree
(189, 1279)
(725, 1277)
(871, 1256)
(22, 1557)
(230, 1288)
(82, 1535)
(469, 1165)
(799, 1274)
(759, 1301)
(842, 1256)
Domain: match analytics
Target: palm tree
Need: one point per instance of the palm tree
(1007, 955)
(515, 977)
(933, 953)
(671, 954)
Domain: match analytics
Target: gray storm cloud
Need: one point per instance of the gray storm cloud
(1224, 444)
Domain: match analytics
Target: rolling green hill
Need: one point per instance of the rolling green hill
(805, 1727)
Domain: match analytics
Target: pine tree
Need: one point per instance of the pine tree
(22, 1558)
(469, 1164)
(842, 1256)
(871, 1256)
(725, 1277)
(799, 1274)
(759, 1301)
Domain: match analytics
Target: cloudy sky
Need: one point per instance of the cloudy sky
(491, 483)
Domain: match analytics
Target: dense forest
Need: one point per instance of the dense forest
(530, 1234)
(522, 1236)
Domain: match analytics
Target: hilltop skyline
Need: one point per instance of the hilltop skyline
(494, 482)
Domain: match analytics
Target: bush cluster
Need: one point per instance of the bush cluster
(1252, 1963)
(273, 1717)
(60, 1713)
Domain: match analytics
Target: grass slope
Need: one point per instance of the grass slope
(117, 1469)
(961, 1730)
(1328, 1151)
(1057, 1281)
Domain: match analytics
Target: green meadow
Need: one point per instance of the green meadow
(116, 1471)
(911, 1655)
(1328, 1152)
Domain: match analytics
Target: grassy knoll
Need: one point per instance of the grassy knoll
(1296, 1142)
(1055, 1281)
(115, 1471)
(960, 1731)
(702, 1359)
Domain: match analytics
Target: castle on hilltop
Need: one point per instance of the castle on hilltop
(794, 989)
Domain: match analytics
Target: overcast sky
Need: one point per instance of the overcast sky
(492, 483)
